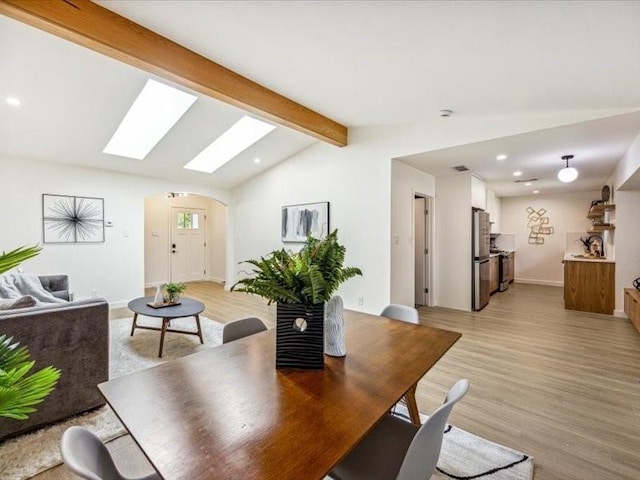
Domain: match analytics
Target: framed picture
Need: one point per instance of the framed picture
(68, 219)
(300, 221)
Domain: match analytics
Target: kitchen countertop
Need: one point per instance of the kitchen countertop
(569, 257)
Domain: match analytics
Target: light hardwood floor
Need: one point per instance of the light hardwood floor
(562, 386)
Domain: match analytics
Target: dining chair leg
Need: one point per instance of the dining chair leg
(165, 321)
(133, 324)
(199, 329)
(412, 406)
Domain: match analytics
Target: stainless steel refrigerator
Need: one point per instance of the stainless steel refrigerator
(480, 233)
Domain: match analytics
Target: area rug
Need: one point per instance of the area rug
(464, 456)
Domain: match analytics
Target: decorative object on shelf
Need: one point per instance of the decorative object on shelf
(300, 283)
(301, 221)
(69, 219)
(567, 174)
(636, 283)
(538, 226)
(606, 194)
(173, 292)
(334, 344)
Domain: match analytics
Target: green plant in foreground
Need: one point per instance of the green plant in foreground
(19, 391)
(308, 277)
(9, 260)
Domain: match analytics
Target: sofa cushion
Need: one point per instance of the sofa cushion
(25, 301)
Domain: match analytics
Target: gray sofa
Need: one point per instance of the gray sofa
(73, 337)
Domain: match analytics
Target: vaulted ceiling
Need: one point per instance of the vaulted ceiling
(359, 63)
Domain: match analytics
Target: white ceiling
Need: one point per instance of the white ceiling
(597, 147)
(73, 99)
(360, 63)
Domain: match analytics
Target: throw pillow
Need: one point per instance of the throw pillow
(13, 304)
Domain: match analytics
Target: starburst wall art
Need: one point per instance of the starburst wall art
(68, 219)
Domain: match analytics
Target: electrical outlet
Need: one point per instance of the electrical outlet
(360, 301)
(94, 293)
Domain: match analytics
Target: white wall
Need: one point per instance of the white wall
(357, 181)
(627, 218)
(157, 236)
(453, 241)
(541, 264)
(114, 268)
(406, 182)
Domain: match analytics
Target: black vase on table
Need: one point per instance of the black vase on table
(300, 336)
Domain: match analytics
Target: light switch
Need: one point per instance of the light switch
(155, 234)
(396, 239)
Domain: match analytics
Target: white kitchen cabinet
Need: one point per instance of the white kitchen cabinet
(494, 208)
(478, 193)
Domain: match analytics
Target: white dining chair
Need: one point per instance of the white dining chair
(86, 456)
(398, 450)
(401, 312)
(409, 315)
(242, 328)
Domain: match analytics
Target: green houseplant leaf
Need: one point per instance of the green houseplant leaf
(308, 277)
(12, 259)
(18, 390)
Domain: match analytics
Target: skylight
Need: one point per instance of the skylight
(242, 134)
(156, 110)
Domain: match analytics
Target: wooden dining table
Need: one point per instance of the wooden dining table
(228, 413)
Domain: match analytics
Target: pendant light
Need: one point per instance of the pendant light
(567, 174)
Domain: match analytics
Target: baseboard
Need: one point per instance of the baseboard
(113, 305)
(215, 279)
(153, 284)
(532, 281)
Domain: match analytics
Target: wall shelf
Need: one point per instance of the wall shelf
(600, 228)
(597, 211)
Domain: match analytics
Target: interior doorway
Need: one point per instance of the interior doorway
(188, 244)
(184, 239)
(421, 250)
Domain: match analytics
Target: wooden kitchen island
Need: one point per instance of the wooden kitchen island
(589, 284)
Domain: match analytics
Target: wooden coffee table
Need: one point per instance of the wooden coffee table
(188, 308)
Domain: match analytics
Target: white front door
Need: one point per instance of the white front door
(188, 244)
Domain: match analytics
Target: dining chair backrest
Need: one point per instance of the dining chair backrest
(401, 312)
(422, 456)
(242, 328)
(86, 456)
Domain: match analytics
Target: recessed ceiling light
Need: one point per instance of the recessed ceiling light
(242, 134)
(517, 173)
(502, 156)
(536, 191)
(256, 160)
(13, 101)
(156, 110)
(528, 184)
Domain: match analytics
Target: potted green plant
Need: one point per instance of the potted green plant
(173, 291)
(18, 390)
(300, 283)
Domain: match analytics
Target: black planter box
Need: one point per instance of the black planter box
(300, 336)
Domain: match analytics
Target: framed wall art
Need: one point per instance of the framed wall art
(70, 219)
(300, 221)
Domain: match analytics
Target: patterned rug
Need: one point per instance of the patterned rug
(464, 456)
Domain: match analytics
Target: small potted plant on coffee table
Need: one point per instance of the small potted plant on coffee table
(173, 292)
